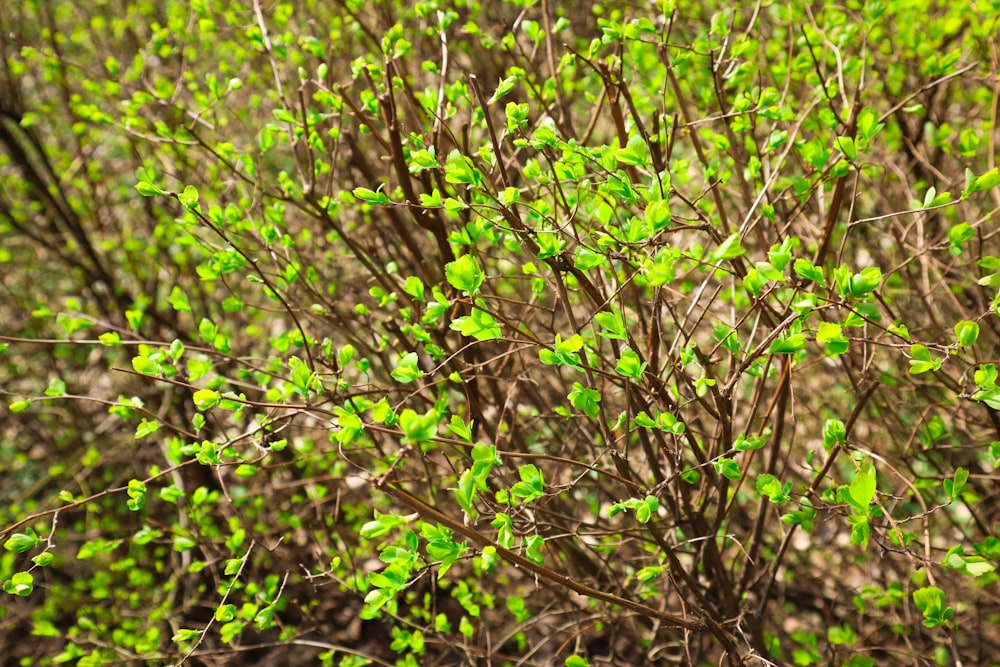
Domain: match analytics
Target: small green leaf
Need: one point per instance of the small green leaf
(225, 613)
(931, 602)
(479, 324)
(43, 559)
(407, 370)
(771, 487)
(110, 339)
(635, 153)
(630, 365)
(205, 399)
(846, 146)
(745, 442)
(966, 333)
(414, 287)
(841, 635)
(147, 189)
(954, 487)
(21, 542)
(806, 269)
(417, 427)
(145, 366)
(788, 344)
(862, 490)
(465, 274)
(728, 249)
(728, 468)
(922, 361)
(990, 179)
(370, 196)
(458, 426)
(658, 214)
(585, 399)
(20, 584)
(504, 87)
(189, 197)
(612, 325)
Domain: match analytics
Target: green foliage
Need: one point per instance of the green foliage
(402, 332)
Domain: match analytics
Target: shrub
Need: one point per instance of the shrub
(388, 332)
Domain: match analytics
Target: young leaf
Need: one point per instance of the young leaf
(966, 333)
(465, 274)
(205, 399)
(862, 490)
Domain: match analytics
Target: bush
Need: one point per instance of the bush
(389, 332)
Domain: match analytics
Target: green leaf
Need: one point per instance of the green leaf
(862, 490)
(635, 153)
(418, 428)
(407, 370)
(533, 549)
(414, 287)
(990, 179)
(110, 339)
(860, 530)
(585, 399)
(745, 442)
(922, 361)
(966, 333)
(370, 196)
(831, 335)
(564, 352)
(465, 494)
(225, 613)
(771, 487)
(460, 170)
(381, 526)
(479, 324)
(834, 433)
(806, 269)
(205, 399)
(612, 325)
(145, 366)
(422, 160)
(458, 426)
(846, 146)
(959, 235)
(21, 542)
(136, 491)
(147, 189)
(932, 603)
(646, 509)
(531, 486)
(189, 197)
(788, 344)
(658, 214)
(20, 584)
(465, 274)
(504, 87)
(728, 468)
(954, 487)
(630, 365)
(827, 331)
(860, 284)
(231, 631)
(841, 635)
(728, 249)
(43, 559)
